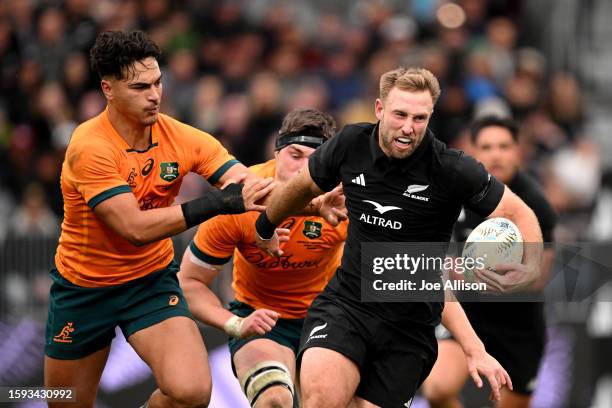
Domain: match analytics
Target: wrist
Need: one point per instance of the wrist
(215, 202)
(474, 348)
(264, 227)
(233, 326)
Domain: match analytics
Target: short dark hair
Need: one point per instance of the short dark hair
(487, 121)
(115, 53)
(300, 120)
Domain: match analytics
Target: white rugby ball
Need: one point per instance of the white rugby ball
(493, 241)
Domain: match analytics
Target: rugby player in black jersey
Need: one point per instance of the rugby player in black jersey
(401, 185)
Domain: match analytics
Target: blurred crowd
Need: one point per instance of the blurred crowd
(234, 68)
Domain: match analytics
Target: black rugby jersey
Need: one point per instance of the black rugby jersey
(417, 199)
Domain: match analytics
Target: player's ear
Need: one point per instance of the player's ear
(107, 88)
(378, 108)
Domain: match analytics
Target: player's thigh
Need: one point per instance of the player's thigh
(448, 374)
(327, 378)
(175, 351)
(361, 403)
(511, 399)
(82, 374)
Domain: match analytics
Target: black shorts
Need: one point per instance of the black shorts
(393, 361)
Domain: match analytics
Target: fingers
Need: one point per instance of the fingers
(257, 192)
(276, 253)
(268, 320)
(255, 207)
(239, 179)
(340, 214)
(505, 267)
(508, 380)
(335, 216)
(274, 315)
(492, 285)
(476, 378)
(494, 386)
(283, 234)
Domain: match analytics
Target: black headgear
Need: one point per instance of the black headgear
(309, 136)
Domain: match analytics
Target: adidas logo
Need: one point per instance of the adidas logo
(359, 180)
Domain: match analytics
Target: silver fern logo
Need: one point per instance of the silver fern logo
(416, 188)
(315, 330)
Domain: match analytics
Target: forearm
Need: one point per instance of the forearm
(455, 320)
(514, 209)
(152, 225)
(527, 223)
(123, 214)
(204, 304)
(291, 199)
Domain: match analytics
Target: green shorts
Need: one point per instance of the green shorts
(82, 320)
(286, 331)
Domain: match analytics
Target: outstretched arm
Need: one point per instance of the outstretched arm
(285, 200)
(478, 360)
(194, 278)
(123, 214)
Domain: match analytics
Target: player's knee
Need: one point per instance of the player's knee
(438, 395)
(190, 394)
(268, 378)
(275, 397)
(320, 399)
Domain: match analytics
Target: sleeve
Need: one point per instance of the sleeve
(475, 187)
(95, 173)
(208, 156)
(545, 214)
(216, 239)
(324, 164)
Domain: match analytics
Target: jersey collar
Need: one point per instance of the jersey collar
(121, 141)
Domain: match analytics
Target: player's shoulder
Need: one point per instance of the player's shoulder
(266, 169)
(446, 157)
(91, 138)
(356, 130)
(176, 129)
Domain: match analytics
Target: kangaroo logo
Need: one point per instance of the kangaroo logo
(381, 209)
(64, 335)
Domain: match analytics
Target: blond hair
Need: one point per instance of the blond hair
(409, 79)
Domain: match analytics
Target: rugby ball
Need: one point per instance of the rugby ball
(492, 242)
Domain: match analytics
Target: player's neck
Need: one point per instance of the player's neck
(135, 134)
